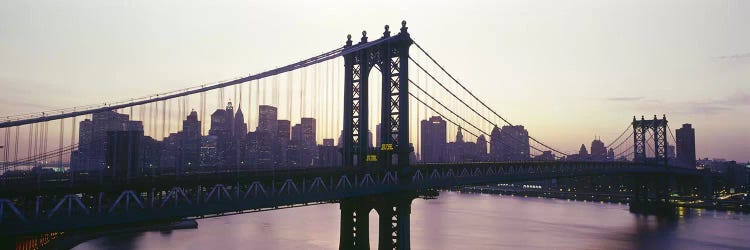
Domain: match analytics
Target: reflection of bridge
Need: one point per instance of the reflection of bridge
(386, 180)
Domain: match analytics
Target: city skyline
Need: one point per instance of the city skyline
(691, 64)
(363, 125)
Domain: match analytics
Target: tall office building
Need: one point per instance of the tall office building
(309, 142)
(171, 152)
(482, 148)
(191, 141)
(434, 139)
(495, 145)
(514, 143)
(221, 128)
(283, 134)
(598, 150)
(267, 119)
(239, 133)
(582, 152)
(328, 154)
(93, 139)
(685, 146)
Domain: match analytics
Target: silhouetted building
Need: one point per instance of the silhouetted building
(465, 151)
(495, 144)
(598, 151)
(328, 154)
(481, 150)
(582, 154)
(123, 155)
(267, 119)
(209, 151)
(239, 135)
(545, 156)
(671, 152)
(434, 140)
(686, 146)
(582, 151)
(283, 134)
(221, 128)
(93, 139)
(513, 143)
(191, 142)
(305, 143)
(150, 155)
(170, 153)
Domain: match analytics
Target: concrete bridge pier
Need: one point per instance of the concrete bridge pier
(394, 222)
(651, 195)
(394, 211)
(707, 188)
(355, 224)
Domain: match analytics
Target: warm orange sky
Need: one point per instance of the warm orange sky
(567, 70)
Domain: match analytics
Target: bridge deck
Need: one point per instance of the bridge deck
(63, 206)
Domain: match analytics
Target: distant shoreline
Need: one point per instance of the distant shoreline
(71, 240)
(600, 197)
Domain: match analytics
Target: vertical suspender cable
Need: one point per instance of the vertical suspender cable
(60, 146)
(32, 136)
(15, 148)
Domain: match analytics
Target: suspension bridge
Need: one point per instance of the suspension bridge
(160, 157)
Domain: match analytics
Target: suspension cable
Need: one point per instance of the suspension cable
(474, 110)
(475, 97)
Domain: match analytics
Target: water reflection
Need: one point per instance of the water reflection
(461, 221)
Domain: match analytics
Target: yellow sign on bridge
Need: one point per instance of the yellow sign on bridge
(371, 158)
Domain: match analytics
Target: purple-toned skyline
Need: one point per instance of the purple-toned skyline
(567, 71)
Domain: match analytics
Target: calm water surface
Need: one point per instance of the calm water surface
(461, 221)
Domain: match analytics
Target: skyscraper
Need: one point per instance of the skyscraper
(686, 146)
(495, 145)
(434, 139)
(239, 132)
(309, 142)
(93, 139)
(598, 150)
(191, 141)
(582, 152)
(514, 143)
(267, 119)
(283, 134)
(221, 128)
(481, 148)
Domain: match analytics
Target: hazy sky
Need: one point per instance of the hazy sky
(567, 70)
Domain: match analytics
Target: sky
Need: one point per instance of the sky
(568, 71)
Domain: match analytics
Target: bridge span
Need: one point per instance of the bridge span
(61, 205)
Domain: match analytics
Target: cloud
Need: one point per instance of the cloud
(716, 106)
(625, 98)
(738, 100)
(706, 108)
(739, 56)
(739, 59)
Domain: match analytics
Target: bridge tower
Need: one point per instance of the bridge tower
(658, 129)
(390, 54)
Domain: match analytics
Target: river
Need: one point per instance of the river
(461, 221)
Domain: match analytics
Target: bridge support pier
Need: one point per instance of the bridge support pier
(651, 196)
(355, 224)
(394, 213)
(394, 226)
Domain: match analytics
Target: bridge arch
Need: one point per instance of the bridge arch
(390, 55)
